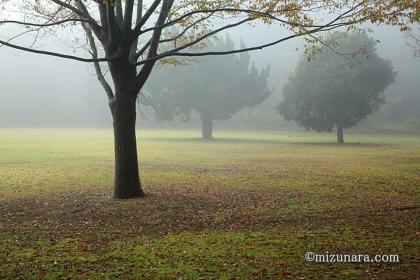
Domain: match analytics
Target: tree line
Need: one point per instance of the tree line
(336, 89)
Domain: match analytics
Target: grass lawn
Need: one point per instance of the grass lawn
(245, 206)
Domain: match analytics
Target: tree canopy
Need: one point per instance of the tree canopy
(216, 88)
(341, 87)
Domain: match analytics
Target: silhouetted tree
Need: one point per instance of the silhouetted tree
(340, 87)
(216, 88)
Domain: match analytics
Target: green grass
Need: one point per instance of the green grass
(247, 205)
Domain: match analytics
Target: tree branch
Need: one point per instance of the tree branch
(52, 53)
(182, 33)
(139, 11)
(99, 74)
(145, 18)
(33, 24)
(97, 29)
(139, 15)
(119, 12)
(82, 14)
(147, 68)
(175, 52)
(113, 27)
(194, 42)
(128, 15)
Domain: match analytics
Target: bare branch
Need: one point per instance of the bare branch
(139, 11)
(113, 27)
(119, 12)
(145, 18)
(52, 53)
(97, 29)
(98, 70)
(128, 15)
(33, 24)
(182, 33)
(81, 13)
(194, 42)
(139, 15)
(148, 66)
(102, 14)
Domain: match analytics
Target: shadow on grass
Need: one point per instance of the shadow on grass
(349, 144)
(218, 140)
(234, 140)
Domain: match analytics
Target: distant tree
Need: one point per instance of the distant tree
(341, 87)
(215, 87)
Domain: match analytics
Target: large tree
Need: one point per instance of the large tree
(216, 88)
(341, 87)
(128, 37)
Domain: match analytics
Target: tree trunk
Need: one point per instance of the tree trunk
(340, 135)
(127, 179)
(207, 127)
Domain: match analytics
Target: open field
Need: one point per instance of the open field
(246, 206)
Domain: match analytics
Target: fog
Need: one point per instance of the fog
(43, 91)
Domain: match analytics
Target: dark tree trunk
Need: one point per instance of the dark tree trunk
(340, 135)
(127, 84)
(207, 127)
(127, 178)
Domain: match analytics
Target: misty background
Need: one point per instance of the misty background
(43, 91)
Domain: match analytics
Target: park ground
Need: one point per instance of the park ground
(245, 206)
